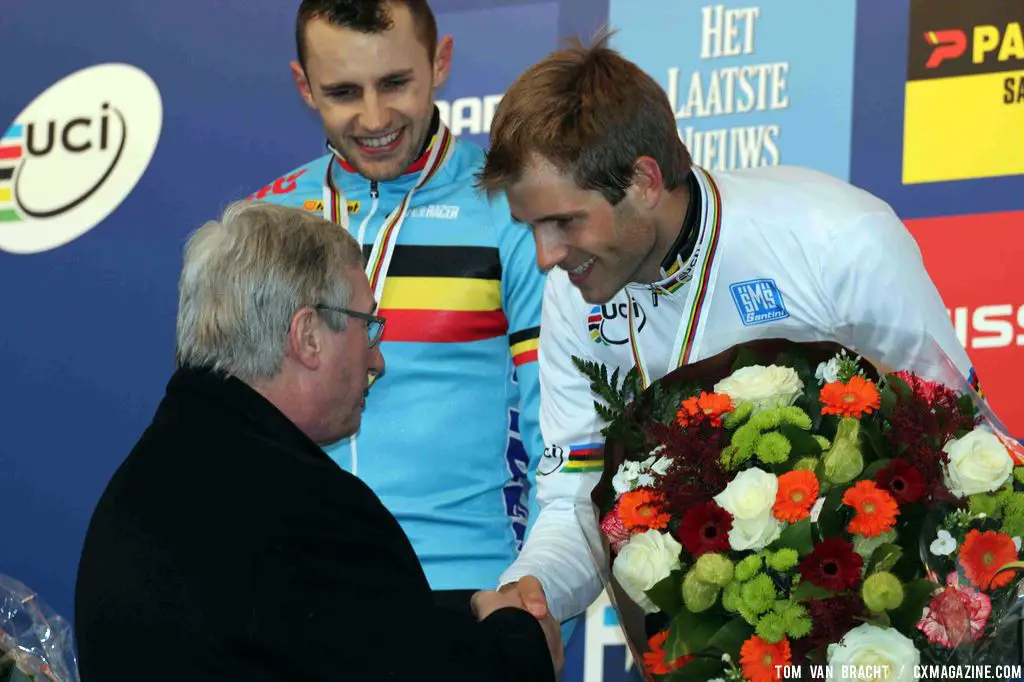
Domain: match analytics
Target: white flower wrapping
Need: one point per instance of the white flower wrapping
(978, 463)
(869, 652)
(749, 499)
(766, 387)
(647, 559)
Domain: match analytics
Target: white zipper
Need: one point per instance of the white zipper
(362, 234)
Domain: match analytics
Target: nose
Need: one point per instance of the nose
(375, 367)
(374, 115)
(551, 247)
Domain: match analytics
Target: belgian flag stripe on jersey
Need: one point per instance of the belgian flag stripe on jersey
(443, 294)
(524, 345)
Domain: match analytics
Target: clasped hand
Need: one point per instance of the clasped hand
(526, 594)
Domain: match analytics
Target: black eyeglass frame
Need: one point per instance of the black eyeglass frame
(374, 336)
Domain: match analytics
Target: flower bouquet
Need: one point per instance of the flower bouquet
(788, 510)
(36, 645)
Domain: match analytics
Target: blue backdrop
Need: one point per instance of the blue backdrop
(88, 324)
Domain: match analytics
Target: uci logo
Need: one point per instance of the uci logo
(73, 155)
(608, 324)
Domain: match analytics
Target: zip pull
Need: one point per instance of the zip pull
(373, 189)
(654, 296)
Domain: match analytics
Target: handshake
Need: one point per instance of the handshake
(526, 594)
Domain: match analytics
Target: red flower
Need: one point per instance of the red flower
(956, 614)
(656, 661)
(902, 480)
(616, 532)
(983, 554)
(833, 565)
(831, 618)
(705, 528)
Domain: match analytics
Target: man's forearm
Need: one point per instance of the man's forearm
(557, 554)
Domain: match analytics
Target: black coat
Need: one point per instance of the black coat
(228, 546)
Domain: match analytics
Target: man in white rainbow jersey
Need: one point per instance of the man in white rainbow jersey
(655, 263)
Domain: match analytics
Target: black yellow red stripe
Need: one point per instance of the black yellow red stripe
(441, 293)
(523, 345)
(443, 326)
(415, 260)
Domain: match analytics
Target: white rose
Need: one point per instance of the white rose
(749, 499)
(978, 463)
(646, 560)
(766, 387)
(869, 652)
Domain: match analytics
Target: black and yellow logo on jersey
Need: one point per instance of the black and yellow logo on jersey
(964, 115)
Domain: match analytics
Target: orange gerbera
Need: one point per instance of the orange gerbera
(642, 509)
(876, 509)
(982, 554)
(655, 661)
(798, 491)
(759, 659)
(710, 406)
(855, 398)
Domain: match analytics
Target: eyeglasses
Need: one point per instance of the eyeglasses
(374, 323)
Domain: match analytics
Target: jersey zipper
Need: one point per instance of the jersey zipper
(374, 196)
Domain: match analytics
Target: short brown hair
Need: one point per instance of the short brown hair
(588, 111)
(364, 16)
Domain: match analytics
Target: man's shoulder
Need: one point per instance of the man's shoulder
(301, 186)
(806, 201)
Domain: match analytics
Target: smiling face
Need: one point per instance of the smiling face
(602, 247)
(374, 92)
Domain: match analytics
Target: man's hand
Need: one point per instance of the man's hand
(531, 595)
(484, 603)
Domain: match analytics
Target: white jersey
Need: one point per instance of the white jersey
(782, 252)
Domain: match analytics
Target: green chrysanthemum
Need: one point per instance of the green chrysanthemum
(773, 448)
(783, 560)
(714, 568)
(739, 415)
(984, 503)
(732, 600)
(758, 594)
(748, 567)
(882, 591)
(698, 595)
(770, 627)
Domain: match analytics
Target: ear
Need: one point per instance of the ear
(648, 183)
(302, 83)
(305, 343)
(443, 60)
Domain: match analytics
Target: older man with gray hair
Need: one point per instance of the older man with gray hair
(228, 545)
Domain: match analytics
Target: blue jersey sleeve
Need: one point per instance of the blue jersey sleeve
(522, 291)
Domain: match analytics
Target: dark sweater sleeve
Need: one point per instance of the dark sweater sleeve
(340, 595)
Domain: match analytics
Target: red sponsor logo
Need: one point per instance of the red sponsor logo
(282, 185)
(948, 44)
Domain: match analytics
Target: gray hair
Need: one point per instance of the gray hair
(245, 276)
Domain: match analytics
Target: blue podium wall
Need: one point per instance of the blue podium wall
(87, 296)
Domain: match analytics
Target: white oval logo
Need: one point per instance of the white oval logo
(74, 154)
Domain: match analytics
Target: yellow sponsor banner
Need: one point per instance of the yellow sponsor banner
(441, 293)
(963, 127)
